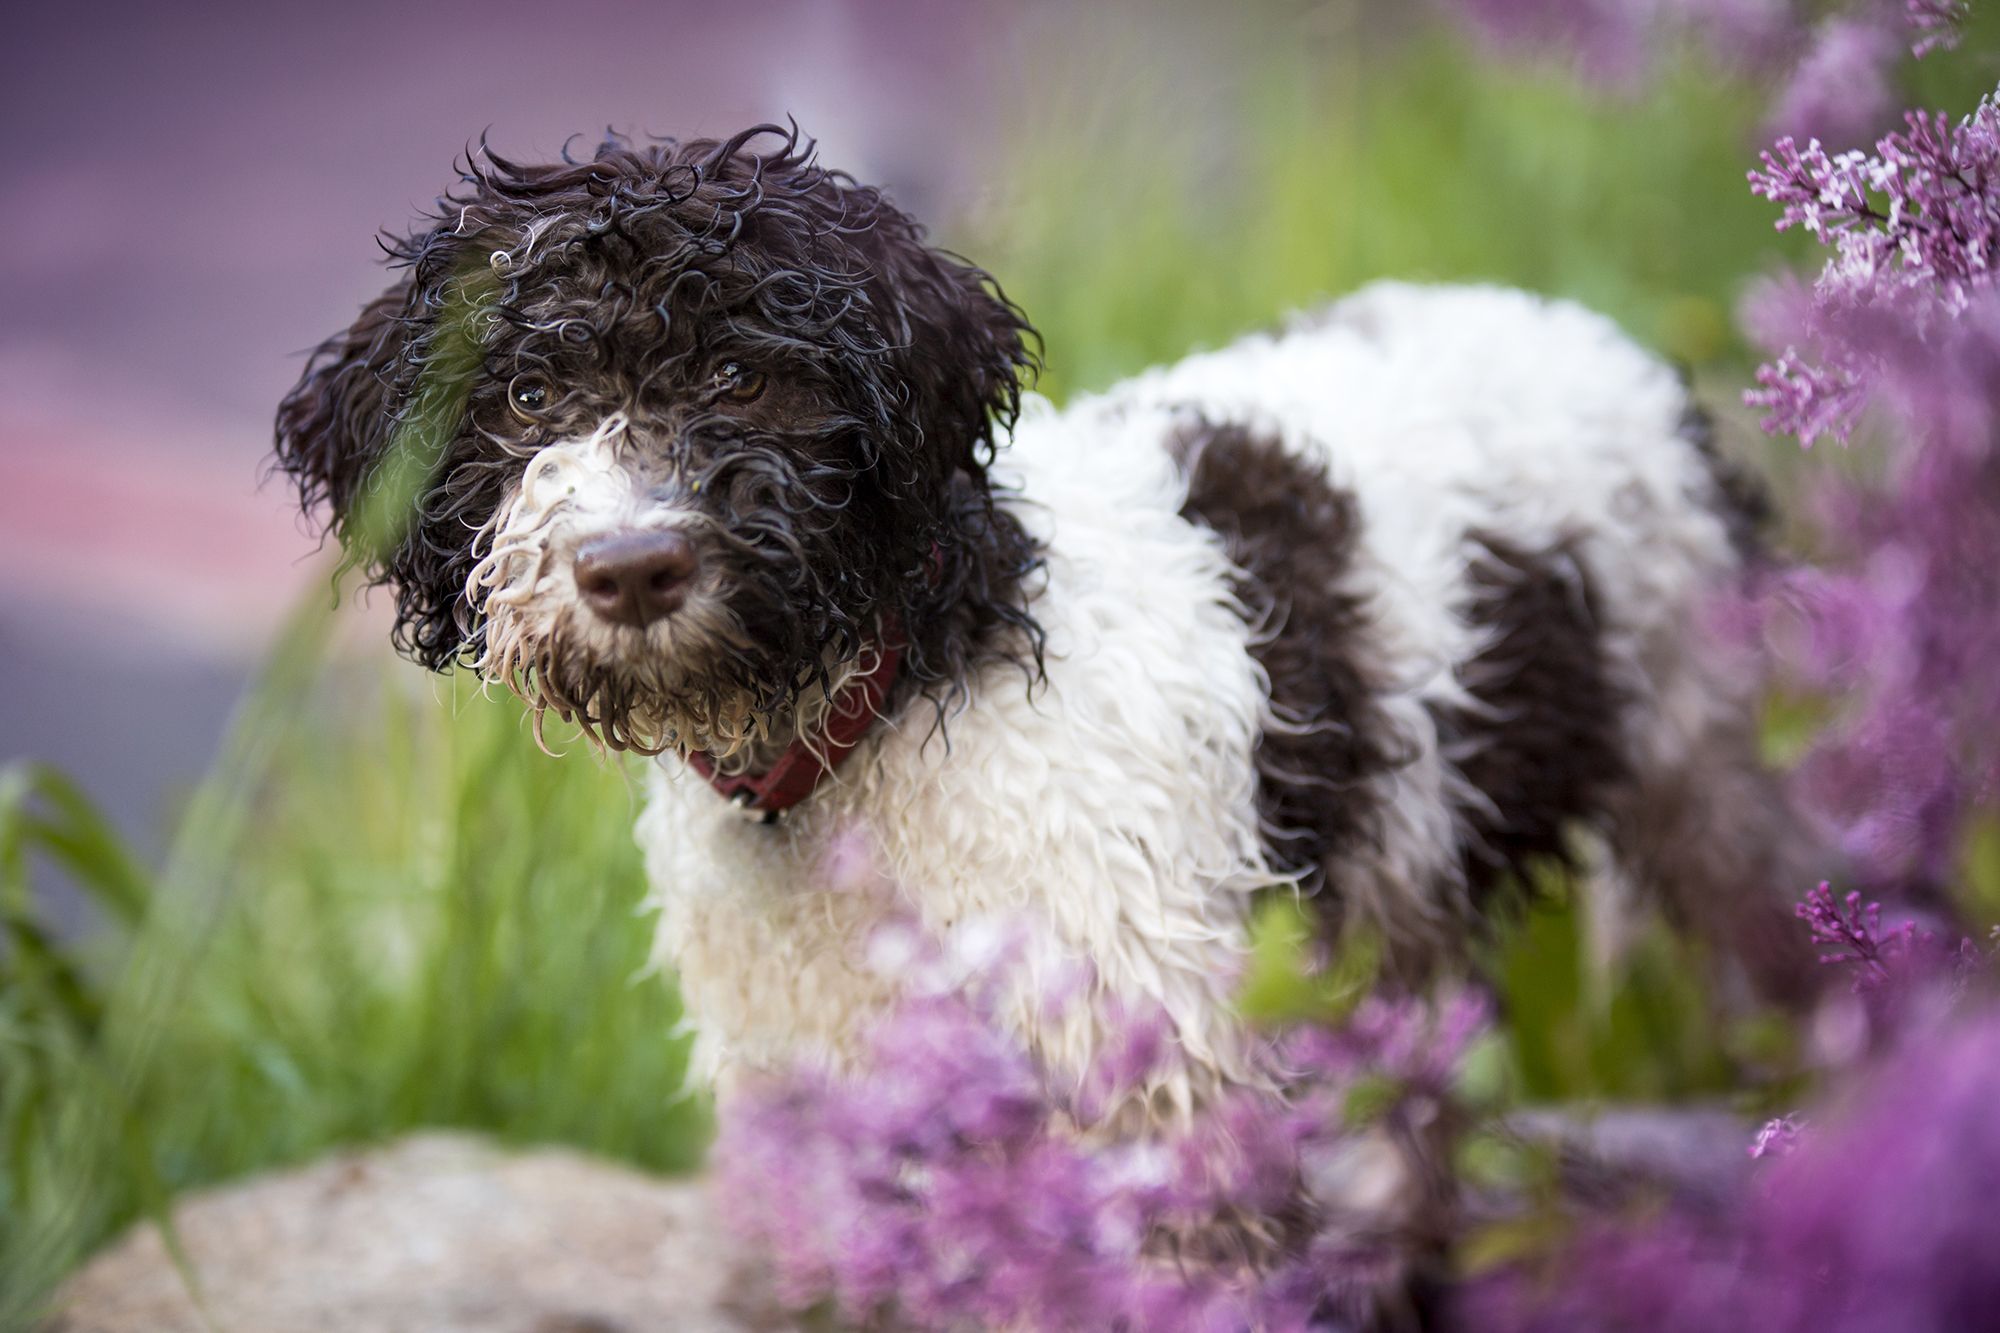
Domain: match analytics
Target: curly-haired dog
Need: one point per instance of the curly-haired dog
(1384, 606)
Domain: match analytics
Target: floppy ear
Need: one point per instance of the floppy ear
(369, 431)
(334, 427)
(954, 340)
(960, 344)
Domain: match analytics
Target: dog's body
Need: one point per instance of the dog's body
(1380, 609)
(1113, 813)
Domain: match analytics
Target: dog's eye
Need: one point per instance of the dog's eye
(528, 395)
(737, 382)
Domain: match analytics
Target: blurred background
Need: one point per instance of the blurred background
(330, 897)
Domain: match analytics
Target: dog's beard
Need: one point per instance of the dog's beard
(625, 689)
(648, 695)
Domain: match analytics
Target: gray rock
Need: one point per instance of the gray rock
(434, 1234)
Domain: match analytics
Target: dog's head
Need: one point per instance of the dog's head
(666, 440)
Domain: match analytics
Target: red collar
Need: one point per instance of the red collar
(764, 796)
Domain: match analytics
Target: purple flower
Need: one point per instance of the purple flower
(946, 1179)
(1881, 1220)
(1903, 625)
(1615, 43)
(1839, 82)
(1606, 40)
(1904, 628)
(1851, 933)
(1936, 24)
(1839, 90)
(1884, 1219)
(1915, 232)
(1778, 1138)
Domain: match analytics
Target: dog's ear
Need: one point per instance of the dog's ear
(962, 346)
(958, 346)
(334, 427)
(369, 432)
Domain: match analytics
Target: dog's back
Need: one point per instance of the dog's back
(1530, 523)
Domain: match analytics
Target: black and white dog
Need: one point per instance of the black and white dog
(728, 467)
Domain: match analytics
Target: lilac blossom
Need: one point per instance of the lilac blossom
(1906, 973)
(1778, 1138)
(947, 1180)
(1914, 230)
(1905, 977)
(1878, 1218)
(1881, 1219)
(1851, 933)
(1606, 40)
(1902, 626)
(1614, 43)
(1839, 63)
(1885, 1218)
(1839, 90)
(1934, 24)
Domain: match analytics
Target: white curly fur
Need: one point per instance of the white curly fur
(1110, 815)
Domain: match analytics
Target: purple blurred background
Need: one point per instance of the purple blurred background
(190, 198)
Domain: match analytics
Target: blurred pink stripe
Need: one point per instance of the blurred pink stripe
(180, 540)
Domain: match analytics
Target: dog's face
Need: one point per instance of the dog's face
(688, 427)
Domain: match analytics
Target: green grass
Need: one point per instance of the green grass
(386, 908)
(1142, 228)
(384, 911)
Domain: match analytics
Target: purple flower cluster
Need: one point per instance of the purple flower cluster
(1937, 24)
(1613, 43)
(1915, 233)
(1879, 1220)
(1903, 624)
(1839, 89)
(1851, 933)
(1838, 82)
(949, 1181)
(1906, 978)
(1778, 1138)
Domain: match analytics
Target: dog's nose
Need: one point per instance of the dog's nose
(635, 578)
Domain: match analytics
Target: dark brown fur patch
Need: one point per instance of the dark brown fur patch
(1542, 744)
(1293, 535)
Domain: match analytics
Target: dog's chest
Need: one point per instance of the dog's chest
(1098, 832)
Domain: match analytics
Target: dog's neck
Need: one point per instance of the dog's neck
(980, 614)
(766, 780)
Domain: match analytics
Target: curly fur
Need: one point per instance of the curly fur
(624, 280)
(1294, 537)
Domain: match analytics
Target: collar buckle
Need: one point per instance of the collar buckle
(745, 804)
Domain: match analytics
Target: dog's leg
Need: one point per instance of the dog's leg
(1703, 828)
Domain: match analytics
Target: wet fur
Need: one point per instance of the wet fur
(1541, 740)
(1292, 536)
(863, 495)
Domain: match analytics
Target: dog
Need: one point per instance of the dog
(711, 455)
